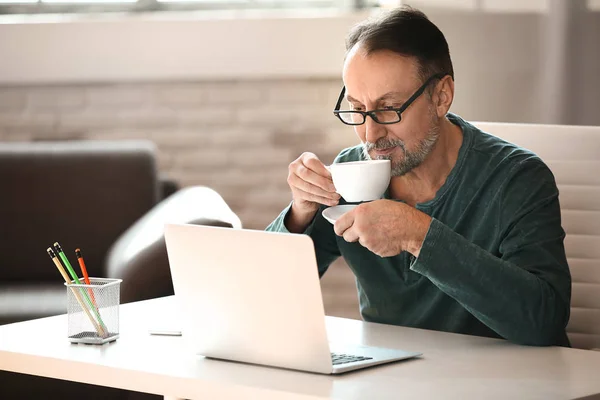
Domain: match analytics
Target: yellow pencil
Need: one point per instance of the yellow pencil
(62, 271)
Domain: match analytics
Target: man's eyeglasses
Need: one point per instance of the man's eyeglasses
(381, 116)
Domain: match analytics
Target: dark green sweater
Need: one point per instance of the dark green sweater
(492, 263)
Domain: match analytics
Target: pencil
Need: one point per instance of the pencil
(67, 264)
(86, 278)
(62, 271)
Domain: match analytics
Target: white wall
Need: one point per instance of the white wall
(189, 46)
(496, 56)
(496, 60)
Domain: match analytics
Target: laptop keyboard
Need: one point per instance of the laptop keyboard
(338, 359)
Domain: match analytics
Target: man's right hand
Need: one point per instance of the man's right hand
(311, 185)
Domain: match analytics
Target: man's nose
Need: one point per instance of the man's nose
(373, 130)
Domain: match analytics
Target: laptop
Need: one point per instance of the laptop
(254, 297)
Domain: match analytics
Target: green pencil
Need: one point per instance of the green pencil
(65, 261)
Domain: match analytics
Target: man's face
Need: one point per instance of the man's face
(382, 80)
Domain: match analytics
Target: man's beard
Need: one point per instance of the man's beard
(412, 159)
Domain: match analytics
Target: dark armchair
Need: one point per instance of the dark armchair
(103, 197)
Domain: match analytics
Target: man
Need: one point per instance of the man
(468, 238)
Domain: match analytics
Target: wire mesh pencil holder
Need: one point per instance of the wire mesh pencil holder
(93, 311)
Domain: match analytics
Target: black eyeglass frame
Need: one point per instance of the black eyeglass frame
(372, 113)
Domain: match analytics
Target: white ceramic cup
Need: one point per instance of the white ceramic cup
(361, 180)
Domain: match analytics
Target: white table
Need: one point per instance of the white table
(452, 367)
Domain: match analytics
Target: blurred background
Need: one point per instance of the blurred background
(231, 92)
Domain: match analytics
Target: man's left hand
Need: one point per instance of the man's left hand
(385, 227)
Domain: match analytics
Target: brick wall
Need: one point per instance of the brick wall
(236, 137)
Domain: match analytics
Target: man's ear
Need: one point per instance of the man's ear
(444, 95)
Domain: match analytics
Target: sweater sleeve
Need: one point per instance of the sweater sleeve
(523, 293)
(326, 248)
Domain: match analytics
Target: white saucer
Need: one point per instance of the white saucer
(331, 214)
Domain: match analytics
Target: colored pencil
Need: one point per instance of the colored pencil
(67, 264)
(86, 277)
(62, 271)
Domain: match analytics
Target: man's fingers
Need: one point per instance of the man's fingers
(308, 187)
(300, 194)
(350, 235)
(313, 163)
(344, 223)
(309, 175)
